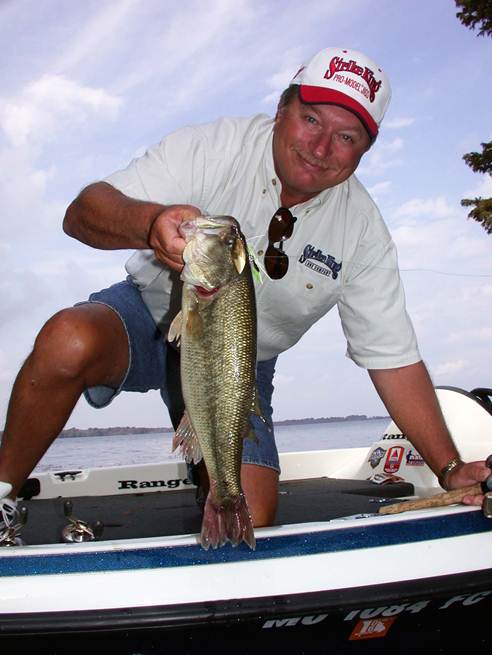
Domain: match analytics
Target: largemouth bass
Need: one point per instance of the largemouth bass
(217, 328)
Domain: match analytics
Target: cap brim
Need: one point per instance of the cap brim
(320, 95)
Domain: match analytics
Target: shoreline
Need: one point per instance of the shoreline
(69, 433)
(120, 431)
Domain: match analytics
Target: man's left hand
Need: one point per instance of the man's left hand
(467, 475)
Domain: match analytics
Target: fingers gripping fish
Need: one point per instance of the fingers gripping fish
(217, 331)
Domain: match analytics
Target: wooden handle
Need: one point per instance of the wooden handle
(439, 500)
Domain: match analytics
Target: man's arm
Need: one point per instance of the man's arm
(411, 401)
(103, 217)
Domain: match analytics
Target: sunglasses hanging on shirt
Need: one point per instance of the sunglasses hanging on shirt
(280, 229)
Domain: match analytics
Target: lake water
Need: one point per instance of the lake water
(94, 452)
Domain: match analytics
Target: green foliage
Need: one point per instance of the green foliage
(477, 14)
(482, 212)
(480, 162)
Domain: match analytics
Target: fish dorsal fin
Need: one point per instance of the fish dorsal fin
(239, 254)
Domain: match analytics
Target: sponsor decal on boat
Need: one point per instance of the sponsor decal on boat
(63, 476)
(414, 458)
(376, 456)
(371, 628)
(152, 484)
(393, 459)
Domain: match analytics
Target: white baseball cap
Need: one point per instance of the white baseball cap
(347, 78)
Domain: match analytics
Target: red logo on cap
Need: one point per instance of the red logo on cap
(338, 64)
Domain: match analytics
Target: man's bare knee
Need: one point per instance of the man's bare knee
(87, 343)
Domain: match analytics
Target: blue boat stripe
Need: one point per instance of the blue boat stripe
(313, 543)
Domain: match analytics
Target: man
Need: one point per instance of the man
(326, 245)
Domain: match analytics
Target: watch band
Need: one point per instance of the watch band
(446, 470)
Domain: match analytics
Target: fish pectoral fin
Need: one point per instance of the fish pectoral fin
(174, 333)
(194, 323)
(187, 441)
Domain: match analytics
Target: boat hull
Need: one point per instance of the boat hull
(398, 617)
(367, 579)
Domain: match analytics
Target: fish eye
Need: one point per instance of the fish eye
(228, 241)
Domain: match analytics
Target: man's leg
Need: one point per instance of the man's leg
(260, 486)
(79, 347)
(261, 468)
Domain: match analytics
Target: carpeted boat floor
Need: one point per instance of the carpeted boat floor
(176, 512)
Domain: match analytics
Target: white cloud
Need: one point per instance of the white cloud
(206, 61)
(280, 80)
(433, 235)
(398, 123)
(39, 109)
(94, 38)
(380, 188)
(429, 208)
(482, 190)
(472, 335)
(450, 368)
(26, 212)
(381, 157)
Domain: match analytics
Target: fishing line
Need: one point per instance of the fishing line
(253, 240)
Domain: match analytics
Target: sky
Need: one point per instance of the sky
(86, 87)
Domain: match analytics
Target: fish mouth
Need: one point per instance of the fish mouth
(205, 293)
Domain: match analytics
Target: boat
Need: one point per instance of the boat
(332, 575)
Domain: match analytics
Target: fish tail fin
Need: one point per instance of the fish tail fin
(186, 440)
(222, 523)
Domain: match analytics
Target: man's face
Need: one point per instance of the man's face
(315, 147)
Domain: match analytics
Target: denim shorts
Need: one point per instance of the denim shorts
(154, 364)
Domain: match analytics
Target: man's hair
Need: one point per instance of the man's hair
(286, 96)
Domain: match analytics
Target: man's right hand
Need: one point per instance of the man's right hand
(164, 237)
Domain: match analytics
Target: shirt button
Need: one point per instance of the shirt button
(274, 182)
(264, 191)
(309, 285)
(260, 252)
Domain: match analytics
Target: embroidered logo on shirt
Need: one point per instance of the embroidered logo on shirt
(311, 255)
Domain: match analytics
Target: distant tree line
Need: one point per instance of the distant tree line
(108, 432)
(477, 14)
